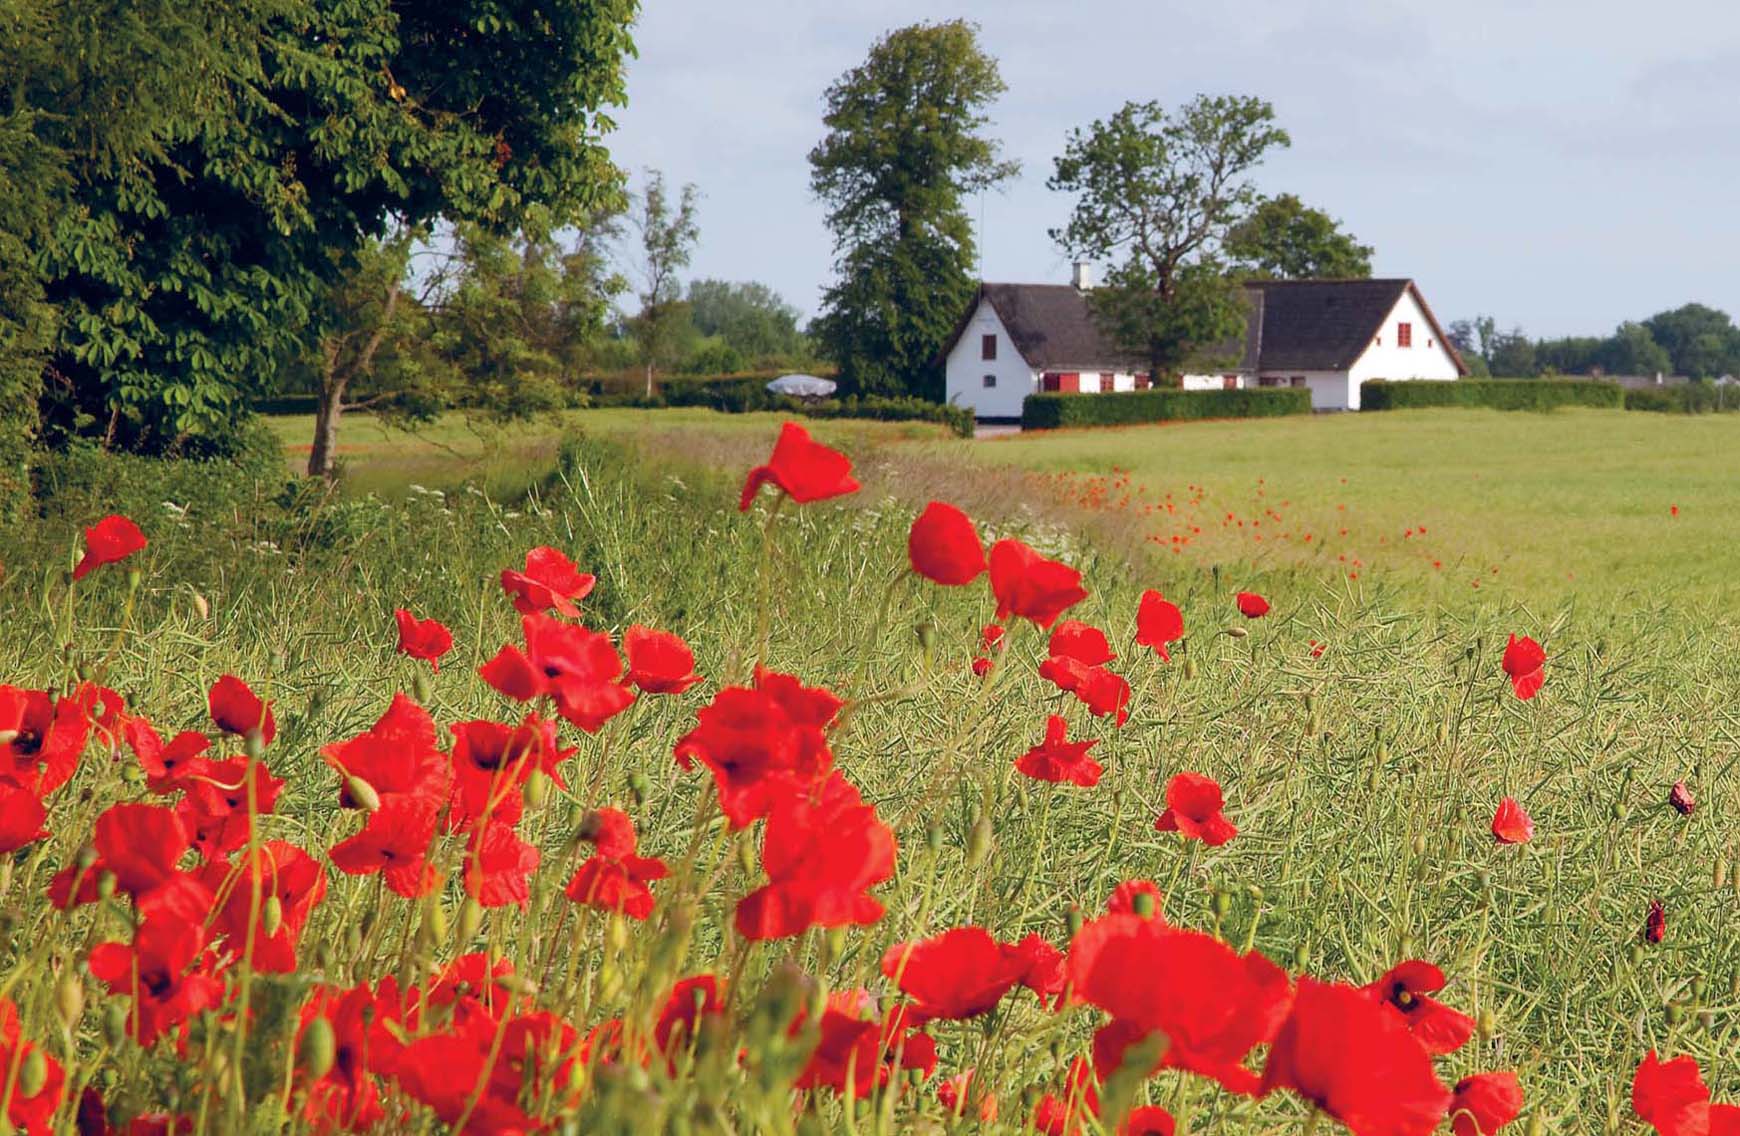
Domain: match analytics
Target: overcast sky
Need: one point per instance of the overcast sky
(1559, 164)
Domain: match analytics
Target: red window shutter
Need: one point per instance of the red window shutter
(987, 346)
(1404, 335)
(1070, 381)
(1107, 383)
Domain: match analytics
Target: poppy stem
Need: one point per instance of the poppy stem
(764, 601)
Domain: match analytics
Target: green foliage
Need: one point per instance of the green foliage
(668, 232)
(1698, 397)
(1499, 394)
(714, 357)
(1160, 193)
(1699, 340)
(751, 318)
(750, 395)
(1285, 239)
(1052, 411)
(906, 142)
(227, 159)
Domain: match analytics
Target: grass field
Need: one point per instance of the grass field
(1362, 779)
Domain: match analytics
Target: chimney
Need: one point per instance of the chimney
(1082, 275)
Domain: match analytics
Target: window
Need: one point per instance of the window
(1298, 380)
(1051, 382)
(1230, 382)
(1404, 335)
(990, 381)
(987, 346)
(1107, 383)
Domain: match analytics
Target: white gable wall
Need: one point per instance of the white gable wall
(965, 371)
(1428, 358)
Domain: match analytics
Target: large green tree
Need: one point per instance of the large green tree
(1158, 193)
(1701, 341)
(226, 161)
(749, 318)
(667, 230)
(1285, 239)
(906, 142)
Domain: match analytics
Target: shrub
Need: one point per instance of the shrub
(748, 395)
(1051, 411)
(1500, 394)
(1701, 397)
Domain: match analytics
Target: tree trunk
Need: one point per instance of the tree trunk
(326, 416)
(649, 371)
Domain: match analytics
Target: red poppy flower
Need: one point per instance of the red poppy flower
(1484, 1103)
(1100, 690)
(1343, 1052)
(1040, 967)
(991, 637)
(659, 662)
(1251, 605)
(856, 1051)
(690, 1001)
(1193, 809)
(1405, 988)
(465, 1073)
(1511, 825)
(802, 468)
(21, 818)
(497, 866)
(1525, 663)
(394, 842)
(550, 580)
(944, 547)
(1058, 759)
(1655, 923)
(1148, 1120)
(283, 872)
(215, 808)
(426, 639)
(1317, 649)
(1159, 624)
(762, 743)
(491, 763)
(1123, 898)
(109, 541)
(1082, 642)
(576, 667)
(41, 739)
(167, 766)
(1681, 799)
(958, 974)
(1213, 1004)
(158, 972)
(140, 845)
(822, 851)
(614, 878)
(236, 709)
(396, 757)
(348, 1096)
(29, 1113)
(1671, 1097)
(1030, 585)
(956, 1092)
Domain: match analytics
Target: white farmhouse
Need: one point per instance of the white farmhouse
(1328, 336)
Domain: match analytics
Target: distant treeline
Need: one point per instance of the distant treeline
(1694, 340)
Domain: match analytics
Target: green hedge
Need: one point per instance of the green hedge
(1701, 397)
(743, 396)
(1051, 411)
(1500, 394)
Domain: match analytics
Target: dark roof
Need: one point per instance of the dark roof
(1294, 325)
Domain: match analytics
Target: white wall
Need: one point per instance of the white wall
(965, 372)
(1210, 382)
(1329, 389)
(1428, 358)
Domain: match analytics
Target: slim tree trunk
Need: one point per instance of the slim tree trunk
(326, 416)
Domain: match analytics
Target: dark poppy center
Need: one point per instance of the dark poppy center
(27, 742)
(1403, 997)
(156, 982)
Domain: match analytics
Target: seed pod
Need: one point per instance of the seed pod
(201, 606)
(1301, 957)
(69, 998)
(1537, 1125)
(1707, 1021)
(254, 744)
(1698, 987)
(537, 789)
(470, 919)
(132, 774)
(1620, 810)
(1142, 903)
(979, 842)
(1636, 954)
(1072, 921)
(105, 884)
(319, 1049)
(33, 1073)
(420, 687)
(1189, 668)
(362, 793)
(435, 919)
(272, 915)
(933, 839)
(1222, 904)
(638, 786)
(1675, 1013)
(926, 633)
(1255, 891)
(1720, 879)
(1420, 844)
(1487, 1024)
(746, 856)
(1236, 632)
(115, 1024)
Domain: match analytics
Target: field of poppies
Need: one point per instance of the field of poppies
(659, 800)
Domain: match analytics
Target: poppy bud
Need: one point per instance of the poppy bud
(470, 919)
(1681, 799)
(926, 633)
(1675, 1013)
(1698, 987)
(362, 793)
(1255, 891)
(1406, 945)
(933, 839)
(1636, 954)
(132, 774)
(1720, 879)
(637, 785)
(33, 1074)
(83, 670)
(420, 689)
(105, 884)
(1482, 879)
(1235, 632)
(69, 998)
(134, 579)
(1537, 1125)
(85, 857)
(1189, 667)
(319, 1048)
(616, 932)
(1487, 1024)
(836, 940)
(254, 743)
(115, 1024)
(537, 789)
(979, 842)
(1301, 957)
(435, 920)
(272, 915)
(1707, 1021)
(1142, 903)
(1072, 920)
(201, 606)
(1620, 810)
(746, 857)
(1222, 904)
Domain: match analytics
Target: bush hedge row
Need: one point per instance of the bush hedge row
(1701, 397)
(1500, 394)
(1051, 411)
